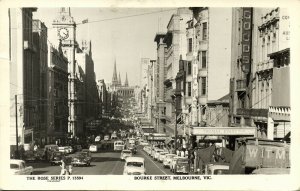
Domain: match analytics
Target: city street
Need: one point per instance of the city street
(103, 163)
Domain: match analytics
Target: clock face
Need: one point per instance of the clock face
(63, 33)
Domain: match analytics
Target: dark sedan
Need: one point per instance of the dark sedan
(81, 159)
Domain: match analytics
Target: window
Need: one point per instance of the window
(204, 59)
(189, 89)
(189, 68)
(204, 31)
(190, 44)
(203, 85)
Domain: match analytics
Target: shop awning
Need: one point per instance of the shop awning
(168, 140)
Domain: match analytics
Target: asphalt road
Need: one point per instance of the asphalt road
(103, 163)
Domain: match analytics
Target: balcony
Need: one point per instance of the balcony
(252, 112)
(265, 65)
(241, 85)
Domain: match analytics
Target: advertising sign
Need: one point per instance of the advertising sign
(246, 39)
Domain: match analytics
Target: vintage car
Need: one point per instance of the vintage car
(125, 154)
(162, 155)
(56, 158)
(132, 148)
(269, 171)
(30, 156)
(217, 169)
(168, 159)
(119, 145)
(134, 166)
(173, 163)
(182, 166)
(106, 138)
(18, 167)
(93, 148)
(156, 153)
(64, 150)
(82, 158)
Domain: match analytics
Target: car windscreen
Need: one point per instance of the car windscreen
(14, 166)
(127, 152)
(182, 161)
(221, 171)
(137, 164)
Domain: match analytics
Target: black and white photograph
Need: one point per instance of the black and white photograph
(154, 94)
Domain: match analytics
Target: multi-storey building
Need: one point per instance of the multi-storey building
(260, 71)
(160, 116)
(176, 45)
(66, 33)
(40, 40)
(57, 97)
(24, 76)
(210, 53)
(90, 99)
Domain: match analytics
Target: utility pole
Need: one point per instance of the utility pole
(17, 135)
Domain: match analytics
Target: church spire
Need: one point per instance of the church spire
(126, 81)
(115, 77)
(120, 83)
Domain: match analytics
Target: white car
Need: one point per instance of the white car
(125, 154)
(93, 148)
(63, 150)
(18, 167)
(168, 159)
(162, 155)
(156, 154)
(134, 166)
(106, 138)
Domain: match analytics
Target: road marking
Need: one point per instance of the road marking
(152, 161)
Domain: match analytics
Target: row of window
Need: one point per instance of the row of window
(204, 37)
(203, 63)
(203, 87)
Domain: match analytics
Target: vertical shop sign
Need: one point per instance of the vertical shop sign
(246, 39)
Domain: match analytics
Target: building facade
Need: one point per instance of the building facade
(24, 77)
(260, 71)
(40, 36)
(57, 104)
(176, 45)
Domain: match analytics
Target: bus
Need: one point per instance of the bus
(119, 145)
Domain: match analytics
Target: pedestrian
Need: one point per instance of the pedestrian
(177, 152)
(182, 153)
(63, 167)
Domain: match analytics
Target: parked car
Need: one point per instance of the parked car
(168, 159)
(156, 153)
(106, 138)
(114, 136)
(93, 148)
(182, 166)
(30, 156)
(173, 163)
(134, 166)
(132, 148)
(125, 154)
(97, 139)
(217, 169)
(77, 148)
(70, 149)
(162, 155)
(18, 167)
(56, 158)
(64, 150)
(82, 159)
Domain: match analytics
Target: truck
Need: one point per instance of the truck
(260, 156)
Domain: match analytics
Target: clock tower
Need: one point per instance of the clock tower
(66, 35)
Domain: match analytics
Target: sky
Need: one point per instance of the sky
(124, 34)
